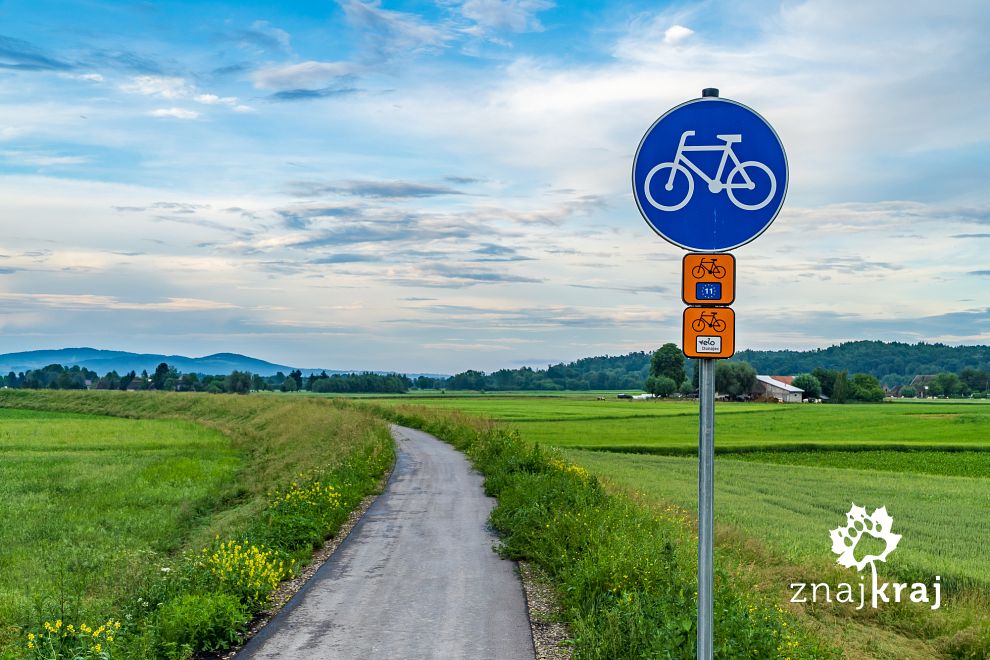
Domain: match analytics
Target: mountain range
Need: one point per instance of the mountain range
(103, 361)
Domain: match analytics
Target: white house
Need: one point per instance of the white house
(770, 388)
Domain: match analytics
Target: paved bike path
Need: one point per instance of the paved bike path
(416, 578)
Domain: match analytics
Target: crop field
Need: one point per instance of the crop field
(89, 502)
(790, 508)
(785, 476)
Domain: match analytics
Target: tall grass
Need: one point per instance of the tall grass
(303, 464)
(626, 574)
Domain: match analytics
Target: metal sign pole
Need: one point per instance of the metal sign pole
(706, 496)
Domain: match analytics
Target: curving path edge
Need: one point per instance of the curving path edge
(416, 578)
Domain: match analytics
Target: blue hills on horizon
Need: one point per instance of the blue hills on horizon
(103, 361)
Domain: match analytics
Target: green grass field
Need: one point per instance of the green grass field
(90, 502)
(786, 476)
(672, 426)
(100, 491)
(94, 505)
(791, 508)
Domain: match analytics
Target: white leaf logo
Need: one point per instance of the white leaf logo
(845, 539)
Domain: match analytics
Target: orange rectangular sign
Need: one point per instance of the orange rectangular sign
(709, 332)
(708, 279)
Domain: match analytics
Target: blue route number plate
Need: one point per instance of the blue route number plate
(708, 290)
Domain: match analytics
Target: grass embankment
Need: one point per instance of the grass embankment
(625, 573)
(157, 538)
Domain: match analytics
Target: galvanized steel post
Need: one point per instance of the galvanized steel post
(706, 496)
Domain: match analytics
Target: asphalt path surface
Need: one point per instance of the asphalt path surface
(416, 578)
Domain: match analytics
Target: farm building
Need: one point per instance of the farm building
(768, 387)
(920, 384)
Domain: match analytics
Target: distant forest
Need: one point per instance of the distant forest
(616, 372)
(893, 363)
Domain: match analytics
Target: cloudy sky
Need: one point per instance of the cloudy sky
(435, 186)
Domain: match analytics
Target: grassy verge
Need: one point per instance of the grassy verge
(625, 572)
(301, 466)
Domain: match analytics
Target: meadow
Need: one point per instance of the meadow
(101, 491)
(671, 427)
(147, 525)
(90, 502)
(785, 476)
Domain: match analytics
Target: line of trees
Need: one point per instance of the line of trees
(366, 382)
(167, 378)
(607, 372)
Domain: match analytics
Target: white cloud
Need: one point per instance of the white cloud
(301, 75)
(87, 301)
(174, 113)
(281, 37)
(164, 87)
(89, 77)
(513, 15)
(41, 159)
(174, 88)
(213, 99)
(389, 33)
(676, 33)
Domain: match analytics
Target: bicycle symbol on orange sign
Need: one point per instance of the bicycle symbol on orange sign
(708, 320)
(709, 266)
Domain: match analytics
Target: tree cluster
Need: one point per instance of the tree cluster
(53, 377)
(606, 372)
(839, 387)
(892, 363)
(969, 382)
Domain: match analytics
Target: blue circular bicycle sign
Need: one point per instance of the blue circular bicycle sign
(710, 175)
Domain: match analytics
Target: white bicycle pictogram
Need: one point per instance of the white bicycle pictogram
(681, 164)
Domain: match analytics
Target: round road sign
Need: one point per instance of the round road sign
(710, 175)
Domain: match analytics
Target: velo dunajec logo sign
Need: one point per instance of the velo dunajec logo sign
(862, 526)
(710, 175)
